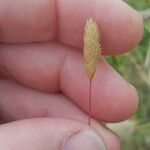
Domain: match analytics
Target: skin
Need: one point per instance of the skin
(42, 74)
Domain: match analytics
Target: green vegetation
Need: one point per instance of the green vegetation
(135, 67)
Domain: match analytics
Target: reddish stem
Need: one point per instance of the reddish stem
(90, 102)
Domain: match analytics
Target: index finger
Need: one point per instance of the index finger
(35, 20)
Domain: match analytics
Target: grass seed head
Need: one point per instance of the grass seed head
(92, 47)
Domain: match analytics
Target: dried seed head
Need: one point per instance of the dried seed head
(92, 47)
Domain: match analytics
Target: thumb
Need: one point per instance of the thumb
(49, 134)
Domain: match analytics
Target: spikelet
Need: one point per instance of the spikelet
(92, 48)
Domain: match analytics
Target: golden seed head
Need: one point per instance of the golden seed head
(92, 48)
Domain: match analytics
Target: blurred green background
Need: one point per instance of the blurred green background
(135, 68)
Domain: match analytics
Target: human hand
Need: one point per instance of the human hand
(42, 73)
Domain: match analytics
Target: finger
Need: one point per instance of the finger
(120, 25)
(27, 21)
(54, 134)
(55, 67)
(18, 102)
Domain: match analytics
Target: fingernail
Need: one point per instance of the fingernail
(84, 140)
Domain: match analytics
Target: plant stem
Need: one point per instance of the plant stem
(90, 102)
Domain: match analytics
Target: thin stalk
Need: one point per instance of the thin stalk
(90, 102)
